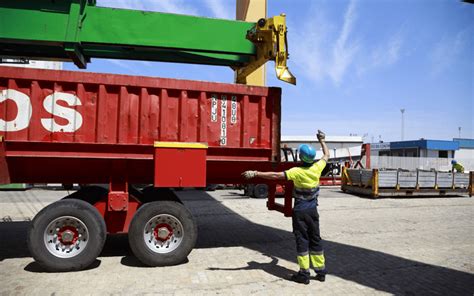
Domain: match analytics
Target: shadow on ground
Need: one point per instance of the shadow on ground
(36, 268)
(221, 227)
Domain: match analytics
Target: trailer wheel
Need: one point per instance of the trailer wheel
(162, 233)
(248, 190)
(260, 191)
(67, 235)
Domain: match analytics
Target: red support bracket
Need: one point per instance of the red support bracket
(117, 200)
(287, 207)
(271, 204)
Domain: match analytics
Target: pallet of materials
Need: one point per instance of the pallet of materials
(399, 182)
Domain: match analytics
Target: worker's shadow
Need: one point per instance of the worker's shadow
(374, 269)
(271, 267)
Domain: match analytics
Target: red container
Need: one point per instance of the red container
(62, 126)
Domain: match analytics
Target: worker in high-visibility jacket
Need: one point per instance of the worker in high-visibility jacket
(305, 214)
(457, 167)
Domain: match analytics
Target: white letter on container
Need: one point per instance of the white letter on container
(73, 117)
(23, 104)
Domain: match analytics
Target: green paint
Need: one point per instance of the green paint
(78, 30)
(14, 186)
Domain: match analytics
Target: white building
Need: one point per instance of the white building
(466, 148)
(340, 147)
(32, 64)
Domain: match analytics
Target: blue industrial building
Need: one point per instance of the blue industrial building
(466, 148)
(457, 148)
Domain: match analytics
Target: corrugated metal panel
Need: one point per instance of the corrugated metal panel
(444, 180)
(388, 179)
(91, 108)
(354, 176)
(366, 177)
(407, 179)
(461, 180)
(426, 179)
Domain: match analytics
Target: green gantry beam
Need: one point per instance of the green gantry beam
(77, 30)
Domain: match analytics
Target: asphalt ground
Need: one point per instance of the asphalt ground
(398, 246)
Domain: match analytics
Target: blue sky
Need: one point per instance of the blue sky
(357, 64)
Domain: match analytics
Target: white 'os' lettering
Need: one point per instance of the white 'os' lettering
(73, 117)
(22, 119)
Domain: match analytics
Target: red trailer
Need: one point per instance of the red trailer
(88, 128)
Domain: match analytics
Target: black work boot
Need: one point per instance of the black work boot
(320, 277)
(301, 277)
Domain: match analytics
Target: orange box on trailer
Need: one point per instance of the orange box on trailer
(63, 126)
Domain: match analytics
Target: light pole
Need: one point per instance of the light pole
(403, 123)
(459, 129)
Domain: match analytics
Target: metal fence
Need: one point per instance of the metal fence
(423, 163)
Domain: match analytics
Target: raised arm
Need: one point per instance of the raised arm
(264, 175)
(322, 140)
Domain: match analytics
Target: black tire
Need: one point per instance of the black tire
(248, 190)
(139, 246)
(79, 210)
(260, 191)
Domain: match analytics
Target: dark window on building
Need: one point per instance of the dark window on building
(443, 154)
(412, 152)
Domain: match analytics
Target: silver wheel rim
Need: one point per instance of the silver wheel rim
(66, 237)
(156, 237)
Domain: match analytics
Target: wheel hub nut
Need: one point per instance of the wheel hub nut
(67, 236)
(163, 233)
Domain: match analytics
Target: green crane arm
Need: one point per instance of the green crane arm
(77, 30)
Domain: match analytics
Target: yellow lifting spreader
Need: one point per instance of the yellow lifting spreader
(269, 36)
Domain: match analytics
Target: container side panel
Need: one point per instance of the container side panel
(266, 110)
(171, 130)
(149, 111)
(128, 115)
(203, 117)
(43, 106)
(189, 117)
(234, 120)
(107, 114)
(254, 118)
(89, 93)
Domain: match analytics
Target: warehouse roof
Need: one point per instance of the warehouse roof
(307, 139)
(465, 143)
(426, 144)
